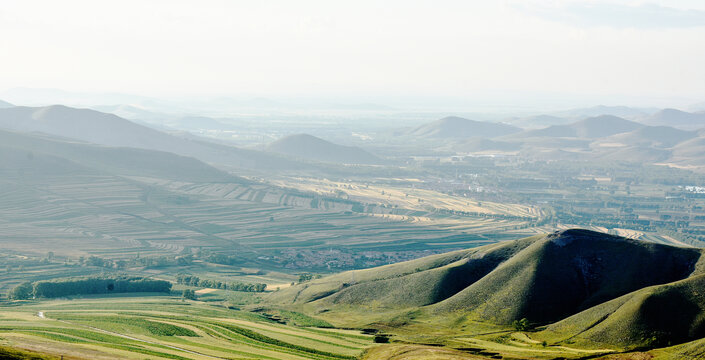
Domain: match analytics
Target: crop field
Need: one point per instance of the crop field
(124, 218)
(406, 198)
(164, 327)
(377, 219)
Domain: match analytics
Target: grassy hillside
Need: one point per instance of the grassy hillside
(542, 278)
(591, 290)
(652, 317)
(565, 272)
(8, 353)
(164, 327)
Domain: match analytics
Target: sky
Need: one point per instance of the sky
(632, 52)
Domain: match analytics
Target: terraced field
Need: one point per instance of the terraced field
(164, 327)
(124, 217)
(406, 198)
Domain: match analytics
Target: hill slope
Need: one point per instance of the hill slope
(546, 279)
(651, 136)
(651, 317)
(457, 127)
(690, 152)
(590, 128)
(111, 130)
(36, 155)
(563, 273)
(312, 148)
(677, 118)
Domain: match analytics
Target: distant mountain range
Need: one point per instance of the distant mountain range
(677, 118)
(130, 112)
(621, 111)
(650, 136)
(604, 137)
(32, 156)
(108, 129)
(457, 127)
(584, 286)
(590, 128)
(538, 121)
(309, 147)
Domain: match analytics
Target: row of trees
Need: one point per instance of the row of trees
(87, 285)
(150, 262)
(192, 280)
(222, 259)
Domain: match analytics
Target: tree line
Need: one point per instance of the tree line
(192, 280)
(87, 285)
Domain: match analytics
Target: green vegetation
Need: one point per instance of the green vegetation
(578, 292)
(87, 285)
(14, 354)
(165, 327)
(192, 280)
(188, 294)
(521, 325)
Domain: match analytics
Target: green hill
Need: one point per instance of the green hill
(563, 273)
(652, 317)
(587, 287)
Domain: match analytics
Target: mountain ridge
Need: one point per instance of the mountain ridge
(310, 147)
(458, 127)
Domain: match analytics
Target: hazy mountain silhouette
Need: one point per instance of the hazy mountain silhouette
(312, 148)
(457, 127)
(677, 118)
(108, 129)
(590, 128)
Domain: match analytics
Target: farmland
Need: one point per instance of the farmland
(165, 327)
(124, 218)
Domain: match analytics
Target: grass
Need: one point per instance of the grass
(8, 353)
(164, 327)
(588, 293)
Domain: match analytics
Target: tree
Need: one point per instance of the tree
(305, 277)
(381, 338)
(22, 291)
(521, 325)
(188, 294)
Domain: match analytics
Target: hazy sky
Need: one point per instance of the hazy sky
(625, 49)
